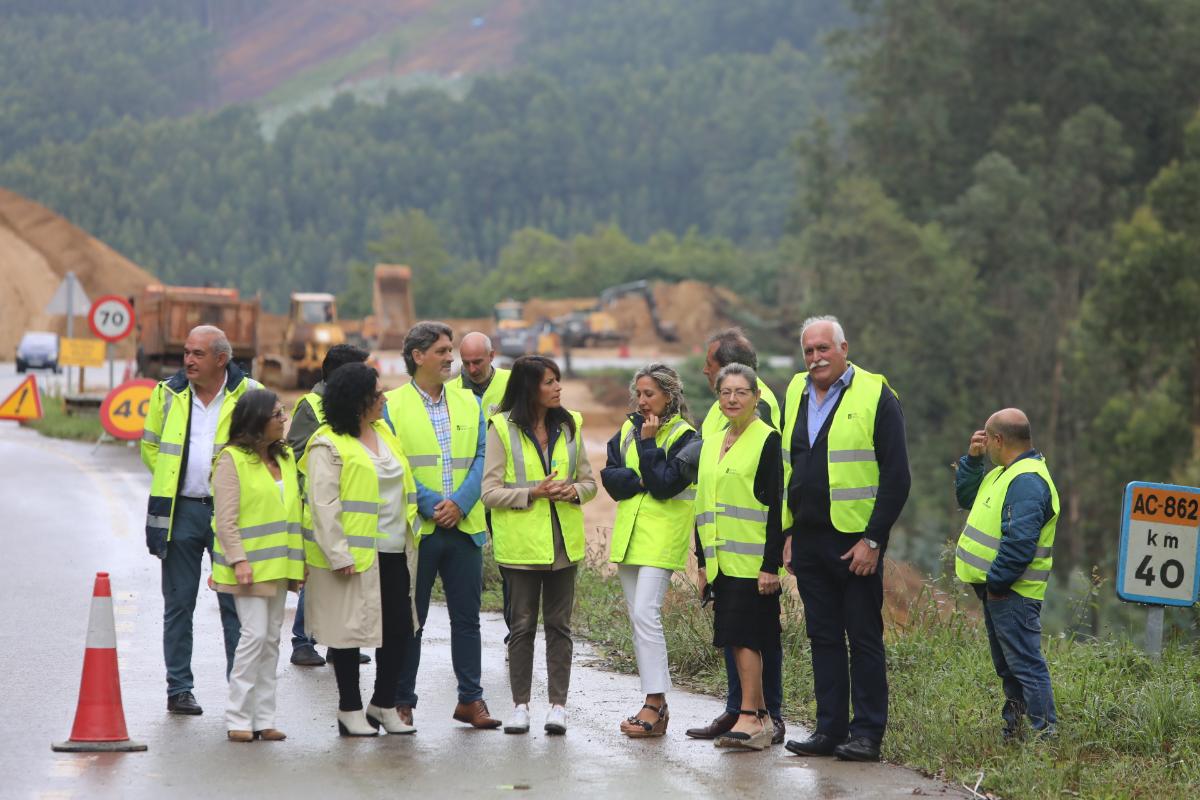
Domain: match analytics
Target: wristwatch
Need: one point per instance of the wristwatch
(871, 543)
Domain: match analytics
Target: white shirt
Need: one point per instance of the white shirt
(202, 437)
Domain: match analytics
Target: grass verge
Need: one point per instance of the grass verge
(56, 422)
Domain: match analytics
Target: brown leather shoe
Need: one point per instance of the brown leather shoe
(270, 735)
(476, 714)
(406, 714)
(720, 725)
(240, 736)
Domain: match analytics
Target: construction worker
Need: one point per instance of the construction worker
(258, 553)
(738, 515)
(187, 423)
(725, 347)
(1004, 553)
(536, 479)
(846, 468)
(306, 418)
(653, 525)
(443, 433)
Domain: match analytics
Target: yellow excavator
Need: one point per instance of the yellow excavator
(311, 330)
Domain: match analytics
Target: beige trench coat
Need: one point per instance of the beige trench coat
(341, 611)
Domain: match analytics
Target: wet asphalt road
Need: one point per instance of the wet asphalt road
(71, 512)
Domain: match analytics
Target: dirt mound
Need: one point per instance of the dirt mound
(694, 308)
(289, 37)
(37, 249)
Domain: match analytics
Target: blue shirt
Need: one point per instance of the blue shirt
(818, 413)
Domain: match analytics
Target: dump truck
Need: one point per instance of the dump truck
(392, 307)
(514, 336)
(166, 314)
(295, 363)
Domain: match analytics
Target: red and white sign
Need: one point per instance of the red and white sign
(123, 412)
(111, 318)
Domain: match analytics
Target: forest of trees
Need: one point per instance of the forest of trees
(1001, 201)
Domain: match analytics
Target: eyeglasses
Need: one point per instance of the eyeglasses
(740, 394)
(280, 414)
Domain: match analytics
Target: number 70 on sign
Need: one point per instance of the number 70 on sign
(1160, 544)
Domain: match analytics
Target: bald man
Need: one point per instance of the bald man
(1005, 553)
(478, 375)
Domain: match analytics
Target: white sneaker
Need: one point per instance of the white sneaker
(389, 719)
(556, 720)
(518, 720)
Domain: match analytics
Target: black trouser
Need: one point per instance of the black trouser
(841, 606)
(397, 632)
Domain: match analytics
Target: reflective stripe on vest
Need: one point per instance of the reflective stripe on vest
(648, 532)
(979, 541)
(162, 445)
(414, 430)
(526, 536)
(268, 523)
(730, 520)
(850, 463)
(358, 490)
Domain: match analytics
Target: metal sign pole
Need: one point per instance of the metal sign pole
(70, 322)
(1154, 632)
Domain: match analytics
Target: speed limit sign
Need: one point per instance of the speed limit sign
(1160, 544)
(111, 318)
(123, 412)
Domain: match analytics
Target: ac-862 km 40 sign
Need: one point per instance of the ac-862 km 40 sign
(1160, 544)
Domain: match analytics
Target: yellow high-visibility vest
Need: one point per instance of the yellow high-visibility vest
(268, 521)
(730, 520)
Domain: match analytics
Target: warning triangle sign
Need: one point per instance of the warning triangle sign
(24, 402)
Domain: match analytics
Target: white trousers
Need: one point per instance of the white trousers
(252, 681)
(644, 589)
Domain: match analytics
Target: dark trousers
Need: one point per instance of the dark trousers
(839, 607)
(397, 638)
(553, 591)
(299, 636)
(1014, 628)
(191, 536)
(459, 561)
(772, 679)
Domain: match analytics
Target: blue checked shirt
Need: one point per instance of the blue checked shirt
(439, 415)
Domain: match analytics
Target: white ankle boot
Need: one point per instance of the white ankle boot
(388, 718)
(354, 723)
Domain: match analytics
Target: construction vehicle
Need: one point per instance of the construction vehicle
(515, 336)
(166, 314)
(596, 326)
(312, 328)
(392, 307)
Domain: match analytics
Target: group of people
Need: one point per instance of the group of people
(371, 495)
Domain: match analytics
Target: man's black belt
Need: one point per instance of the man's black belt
(208, 501)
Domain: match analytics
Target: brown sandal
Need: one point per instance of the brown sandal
(636, 728)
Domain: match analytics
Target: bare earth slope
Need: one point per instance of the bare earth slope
(37, 249)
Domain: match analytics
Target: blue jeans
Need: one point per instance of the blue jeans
(299, 637)
(772, 681)
(456, 557)
(1014, 627)
(191, 536)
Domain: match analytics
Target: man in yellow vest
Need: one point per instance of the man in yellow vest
(479, 376)
(307, 416)
(1005, 553)
(187, 423)
(846, 470)
(724, 347)
(444, 436)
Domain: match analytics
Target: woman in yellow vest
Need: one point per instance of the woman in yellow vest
(536, 477)
(363, 502)
(653, 525)
(739, 508)
(257, 554)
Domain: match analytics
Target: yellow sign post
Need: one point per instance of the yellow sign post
(24, 403)
(81, 352)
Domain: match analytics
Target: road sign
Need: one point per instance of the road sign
(111, 318)
(24, 403)
(69, 298)
(1160, 534)
(123, 412)
(81, 352)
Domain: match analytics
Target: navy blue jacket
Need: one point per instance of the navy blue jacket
(663, 476)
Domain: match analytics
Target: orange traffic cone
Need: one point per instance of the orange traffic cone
(99, 717)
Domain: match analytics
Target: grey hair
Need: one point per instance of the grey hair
(669, 382)
(738, 369)
(733, 347)
(423, 336)
(839, 335)
(218, 340)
